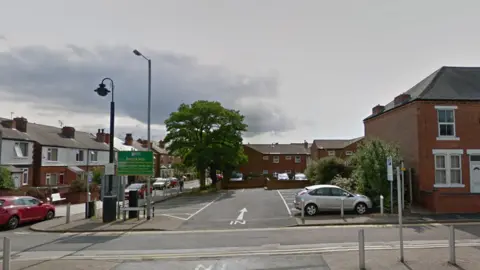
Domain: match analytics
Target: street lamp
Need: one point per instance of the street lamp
(103, 91)
(137, 53)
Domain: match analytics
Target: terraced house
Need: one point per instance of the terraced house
(334, 148)
(276, 158)
(437, 125)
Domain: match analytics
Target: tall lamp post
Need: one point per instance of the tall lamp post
(137, 53)
(103, 91)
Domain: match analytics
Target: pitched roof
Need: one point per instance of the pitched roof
(52, 136)
(335, 144)
(13, 134)
(282, 149)
(446, 83)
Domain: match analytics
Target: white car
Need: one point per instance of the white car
(283, 176)
(160, 183)
(300, 176)
(236, 177)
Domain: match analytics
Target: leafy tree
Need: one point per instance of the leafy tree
(6, 181)
(346, 183)
(325, 169)
(206, 135)
(370, 171)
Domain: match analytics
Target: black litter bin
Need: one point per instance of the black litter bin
(90, 209)
(133, 202)
(109, 208)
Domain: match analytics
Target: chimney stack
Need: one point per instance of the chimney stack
(8, 124)
(100, 135)
(21, 124)
(68, 132)
(378, 109)
(107, 138)
(400, 99)
(305, 144)
(161, 144)
(128, 139)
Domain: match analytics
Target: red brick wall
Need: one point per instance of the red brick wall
(341, 153)
(68, 175)
(257, 165)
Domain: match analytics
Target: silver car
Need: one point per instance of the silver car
(329, 198)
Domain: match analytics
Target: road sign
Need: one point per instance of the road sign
(90, 177)
(135, 163)
(389, 169)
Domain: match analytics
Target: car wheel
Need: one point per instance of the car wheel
(50, 215)
(13, 222)
(311, 209)
(361, 208)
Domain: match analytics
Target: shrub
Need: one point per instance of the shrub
(324, 170)
(35, 192)
(348, 184)
(78, 186)
(371, 168)
(6, 181)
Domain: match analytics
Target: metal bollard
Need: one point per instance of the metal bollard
(302, 205)
(451, 244)
(361, 249)
(6, 253)
(342, 209)
(67, 217)
(381, 204)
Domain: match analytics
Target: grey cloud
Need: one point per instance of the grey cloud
(66, 79)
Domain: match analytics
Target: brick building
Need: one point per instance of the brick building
(437, 126)
(339, 148)
(276, 158)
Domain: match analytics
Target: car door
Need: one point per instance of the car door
(22, 209)
(337, 194)
(36, 211)
(321, 196)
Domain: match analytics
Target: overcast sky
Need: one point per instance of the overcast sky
(296, 69)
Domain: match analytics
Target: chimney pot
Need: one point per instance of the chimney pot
(68, 132)
(100, 136)
(378, 109)
(128, 139)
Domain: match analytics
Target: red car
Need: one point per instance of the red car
(140, 187)
(15, 210)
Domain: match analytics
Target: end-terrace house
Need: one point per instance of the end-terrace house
(334, 148)
(62, 155)
(437, 126)
(16, 150)
(276, 158)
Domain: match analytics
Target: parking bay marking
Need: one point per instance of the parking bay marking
(285, 202)
(240, 219)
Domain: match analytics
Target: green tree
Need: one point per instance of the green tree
(325, 169)
(6, 181)
(370, 162)
(206, 135)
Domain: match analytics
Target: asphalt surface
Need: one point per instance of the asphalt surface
(249, 208)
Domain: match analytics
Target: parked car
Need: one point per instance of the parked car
(219, 176)
(172, 182)
(300, 176)
(236, 177)
(329, 198)
(15, 210)
(141, 187)
(282, 176)
(160, 183)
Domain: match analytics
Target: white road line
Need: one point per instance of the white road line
(285, 202)
(173, 217)
(201, 209)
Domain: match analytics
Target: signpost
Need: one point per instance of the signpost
(135, 163)
(390, 179)
(400, 214)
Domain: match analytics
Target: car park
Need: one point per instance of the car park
(319, 198)
(16, 210)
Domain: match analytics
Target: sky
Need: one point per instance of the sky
(298, 70)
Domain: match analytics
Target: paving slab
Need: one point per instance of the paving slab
(65, 265)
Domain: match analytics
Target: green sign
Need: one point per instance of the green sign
(135, 163)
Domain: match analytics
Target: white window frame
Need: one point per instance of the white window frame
(448, 137)
(25, 177)
(447, 153)
(276, 159)
(288, 157)
(265, 157)
(348, 153)
(94, 156)
(331, 153)
(48, 179)
(78, 156)
(18, 149)
(50, 152)
(265, 172)
(298, 159)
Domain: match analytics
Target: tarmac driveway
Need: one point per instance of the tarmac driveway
(240, 209)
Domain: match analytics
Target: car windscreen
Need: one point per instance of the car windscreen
(237, 175)
(2, 202)
(135, 186)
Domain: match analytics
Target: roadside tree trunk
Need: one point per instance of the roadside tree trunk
(202, 179)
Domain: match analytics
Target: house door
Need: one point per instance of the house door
(475, 173)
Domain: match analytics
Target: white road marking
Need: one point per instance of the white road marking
(285, 202)
(167, 215)
(201, 209)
